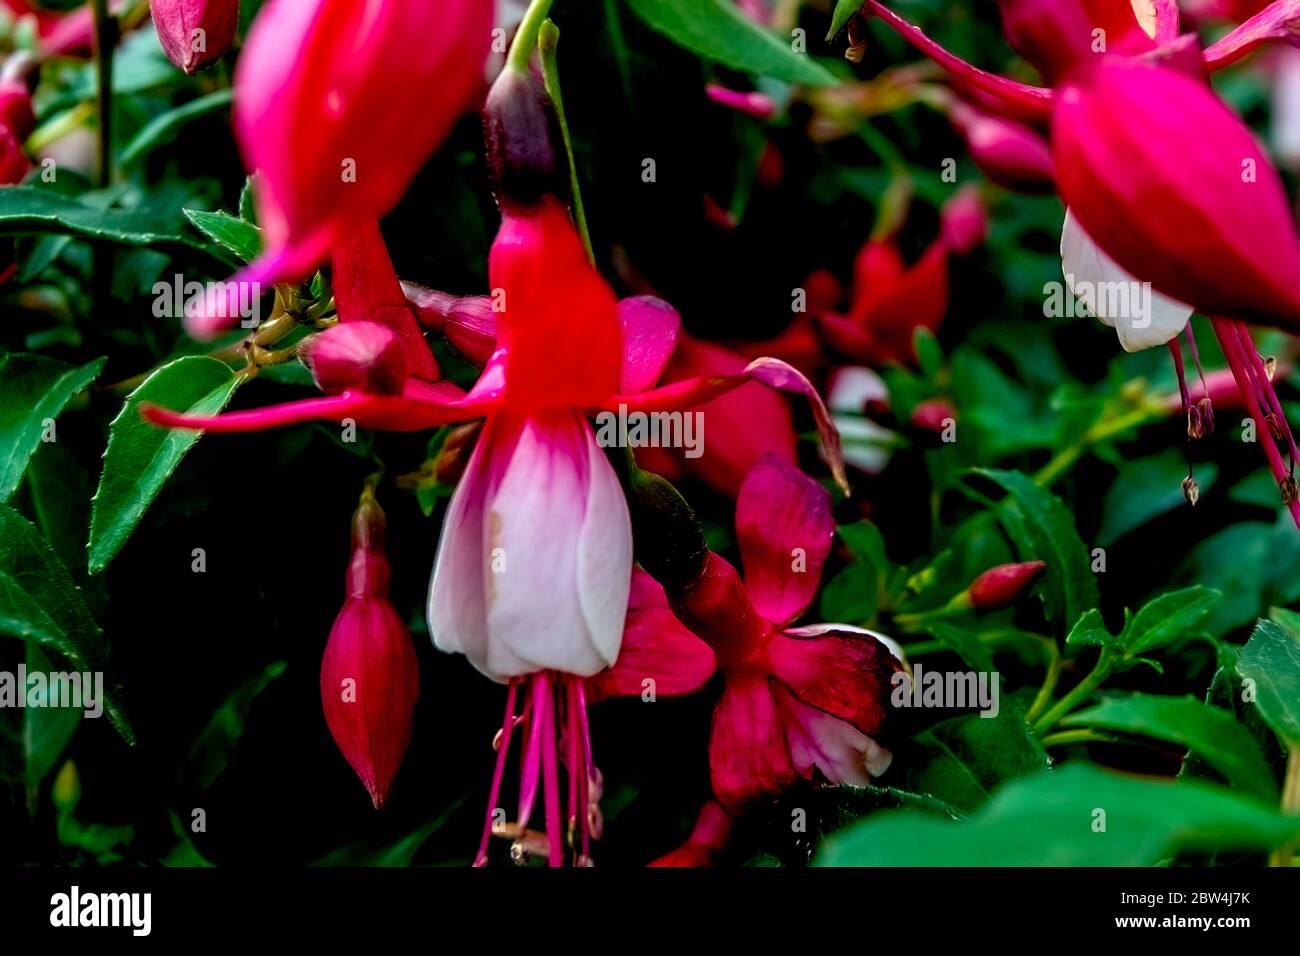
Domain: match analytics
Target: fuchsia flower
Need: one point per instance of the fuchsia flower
(798, 703)
(1163, 182)
(891, 299)
(707, 840)
(337, 105)
(1009, 153)
(195, 33)
(369, 677)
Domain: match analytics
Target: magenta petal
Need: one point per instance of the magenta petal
(650, 328)
(1173, 187)
(784, 526)
(749, 756)
(1277, 21)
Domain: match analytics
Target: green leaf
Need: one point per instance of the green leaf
(248, 203)
(1271, 658)
(970, 756)
(398, 853)
(40, 603)
(140, 457)
(32, 389)
(1090, 631)
(1213, 734)
(851, 595)
(1079, 815)
(866, 542)
(715, 30)
(844, 11)
(1043, 529)
(1167, 619)
(235, 235)
(210, 754)
(164, 128)
(963, 642)
(29, 209)
(46, 730)
(1148, 488)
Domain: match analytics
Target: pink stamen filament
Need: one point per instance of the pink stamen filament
(503, 748)
(1239, 364)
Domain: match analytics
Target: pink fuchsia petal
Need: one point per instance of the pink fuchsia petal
(740, 427)
(557, 536)
(1027, 102)
(650, 329)
(697, 391)
(386, 412)
(195, 33)
(1277, 21)
(842, 670)
(13, 160)
(366, 289)
(1056, 35)
(749, 756)
(835, 748)
(364, 356)
(1131, 138)
(784, 527)
(716, 608)
(656, 648)
(338, 104)
(757, 105)
(551, 293)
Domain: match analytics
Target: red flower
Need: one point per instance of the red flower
(195, 33)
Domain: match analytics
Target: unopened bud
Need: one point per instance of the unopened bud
(1191, 490)
(365, 356)
(934, 415)
(195, 33)
(1003, 585)
(468, 323)
(668, 538)
(369, 676)
(520, 129)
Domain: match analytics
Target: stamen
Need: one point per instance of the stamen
(551, 775)
(1204, 406)
(532, 766)
(1239, 363)
(502, 744)
(1191, 489)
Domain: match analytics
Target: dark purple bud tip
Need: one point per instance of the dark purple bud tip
(521, 132)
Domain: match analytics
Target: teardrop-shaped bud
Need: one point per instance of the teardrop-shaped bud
(1003, 585)
(369, 677)
(195, 33)
(520, 129)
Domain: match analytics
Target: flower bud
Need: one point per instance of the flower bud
(195, 33)
(1003, 585)
(365, 356)
(369, 677)
(519, 126)
(934, 415)
(467, 322)
(1009, 153)
(669, 541)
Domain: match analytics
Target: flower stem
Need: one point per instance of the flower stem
(525, 42)
(1107, 427)
(1050, 681)
(1102, 670)
(105, 42)
(547, 41)
(1282, 856)
(1081, 736)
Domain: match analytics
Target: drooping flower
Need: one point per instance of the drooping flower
(1164, 184)
(369, 678)
(195, 33)
(337, 105)
(798, 702)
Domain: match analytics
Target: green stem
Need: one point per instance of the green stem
(105, 42)
(1049, 682)
(547, 42)
(1102, 670)
(1282, 856)
(525, 42)
(1065, 459)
